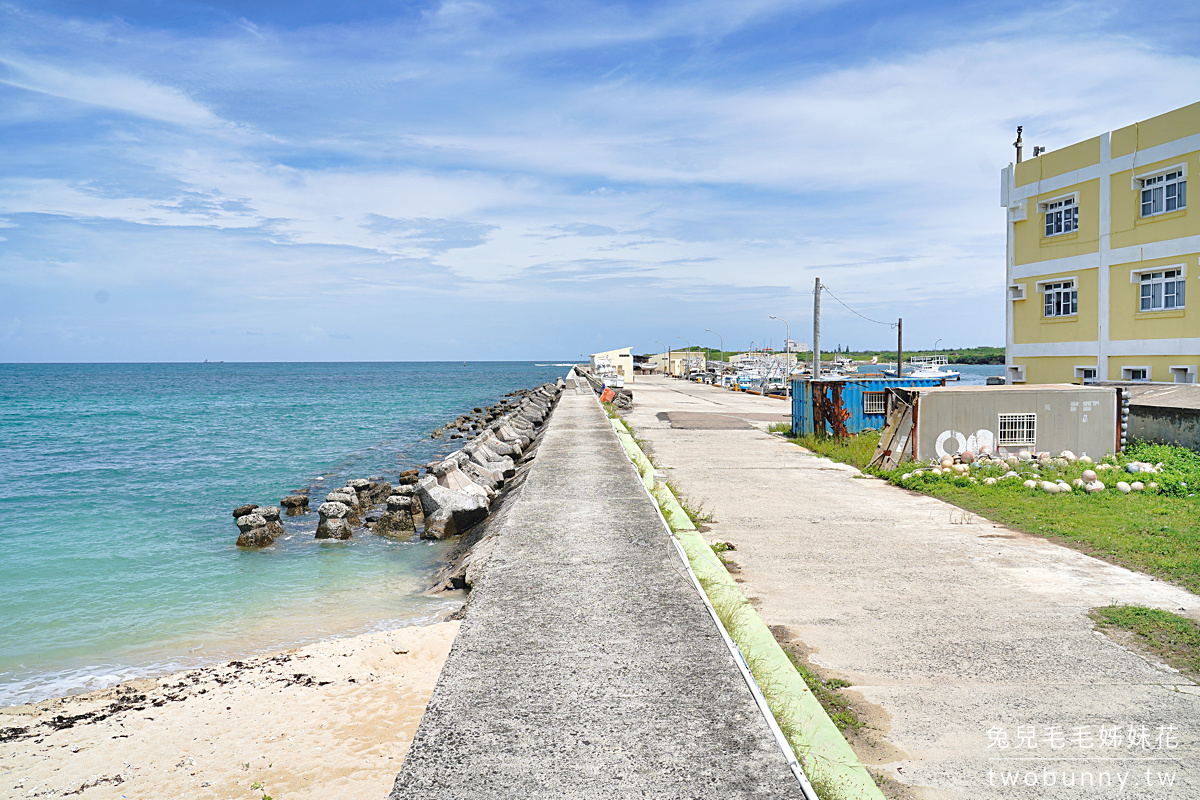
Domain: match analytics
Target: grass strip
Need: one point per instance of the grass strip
(831, 766)
(1171, 638)
(1154, 533)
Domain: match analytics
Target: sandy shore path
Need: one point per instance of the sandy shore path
(330, 720)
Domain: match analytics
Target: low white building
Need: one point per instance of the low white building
(622, 361)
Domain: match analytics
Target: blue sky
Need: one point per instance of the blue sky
(483, 180)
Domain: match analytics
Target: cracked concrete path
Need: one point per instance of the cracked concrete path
(587, 665)
(954, 631)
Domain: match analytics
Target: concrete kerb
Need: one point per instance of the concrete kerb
(839, 765)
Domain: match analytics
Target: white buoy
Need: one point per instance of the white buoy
(989, 481)
(1030, 484)
(1049, 487)
(1089, 476)
(1122, 486)
(1137, 486)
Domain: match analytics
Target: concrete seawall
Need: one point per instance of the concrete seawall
(587, 665)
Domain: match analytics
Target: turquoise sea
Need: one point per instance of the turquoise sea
(116, 487)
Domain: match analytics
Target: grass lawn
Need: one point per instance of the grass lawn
(1170, 637)
(1154, 533)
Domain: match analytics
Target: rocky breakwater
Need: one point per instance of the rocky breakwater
(458, 492)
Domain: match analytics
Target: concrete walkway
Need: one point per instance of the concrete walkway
(954, 631)
(587, 665)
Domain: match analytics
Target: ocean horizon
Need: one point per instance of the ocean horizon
(117, 486)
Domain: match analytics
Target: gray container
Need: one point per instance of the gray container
(1008, 419)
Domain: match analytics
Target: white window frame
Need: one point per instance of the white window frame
(1015, 373)
(1187, 371)
(1159, 178)
(1060, 286)
(1021, 430)
(1082, 368)
(1060, 215)
(1127, 373)
(1179, 279)
(878, 403)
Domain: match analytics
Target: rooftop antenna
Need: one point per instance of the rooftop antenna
(1017, 143)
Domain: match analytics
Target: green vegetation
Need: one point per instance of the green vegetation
(1169, 637)
(780, 427)
(1153, 532)
(696, 513)
(836, 706)
(853, 450)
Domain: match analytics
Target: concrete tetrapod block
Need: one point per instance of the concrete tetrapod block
(464, 510)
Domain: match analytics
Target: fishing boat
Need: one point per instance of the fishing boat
(608, 374)
(927, 367)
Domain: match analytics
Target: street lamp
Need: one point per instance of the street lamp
(710, 330)
(689, 355)
(935, 345)
(787, 349)
(666, 354)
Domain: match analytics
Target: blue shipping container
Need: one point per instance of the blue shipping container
(844, 407)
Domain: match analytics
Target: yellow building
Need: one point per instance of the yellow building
(1101, 245)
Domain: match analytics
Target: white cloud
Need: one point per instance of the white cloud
(111, 90)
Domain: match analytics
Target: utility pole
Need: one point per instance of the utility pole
(722, 338)
(900, 347)
(787, 351)
(816, 369)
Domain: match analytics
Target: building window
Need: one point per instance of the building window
(1135, 373)
(1062, 216)
(1185, 374)
(1061, 299)
(1163, 193)
(1087, 374)
(874, 402)
(1017, 429)
(1162, 290)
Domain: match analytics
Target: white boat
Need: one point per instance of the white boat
(928, 367)
(608, 375)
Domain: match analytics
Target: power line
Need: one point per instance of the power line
(852, 311)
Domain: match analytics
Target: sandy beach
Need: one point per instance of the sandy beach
(330, 720)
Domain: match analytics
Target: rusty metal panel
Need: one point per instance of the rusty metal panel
(839, 407)
(1083, 419)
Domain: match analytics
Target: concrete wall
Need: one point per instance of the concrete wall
(1081, 419)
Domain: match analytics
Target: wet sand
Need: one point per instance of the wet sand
(330, 720)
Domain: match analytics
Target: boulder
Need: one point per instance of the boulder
(255, 537)
(346, 497)
(394, 523)
(269, 513)
(399, 502)
(466, 509)
(408, 477)
(249, 521)
(294, 501)
(242, 511)
(439, 525)
(334, 523)
(333, 509)
(358, 484)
